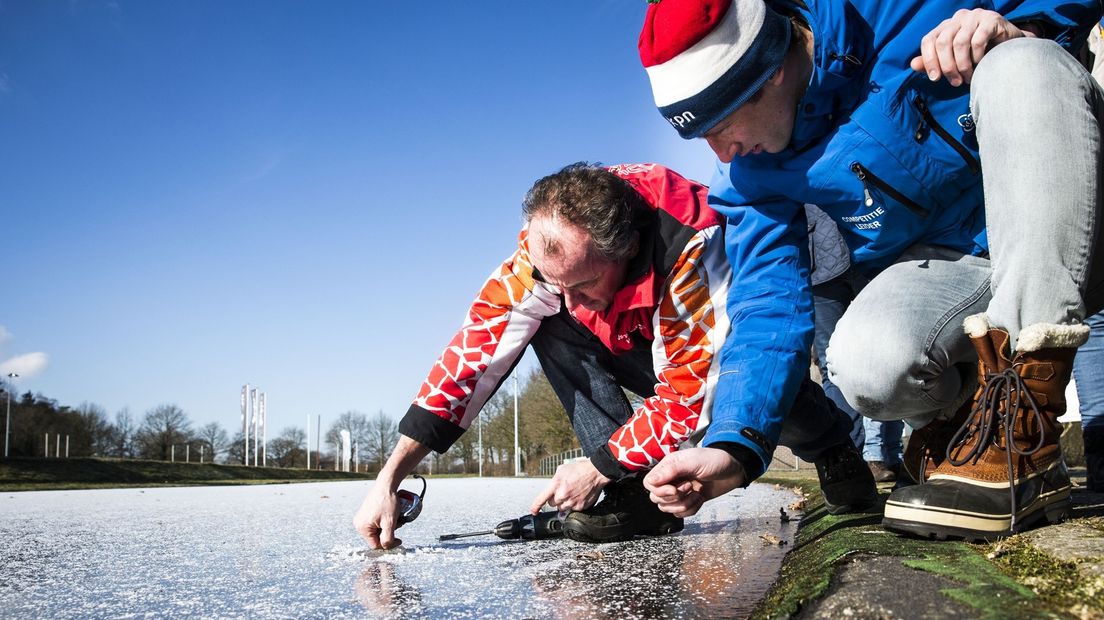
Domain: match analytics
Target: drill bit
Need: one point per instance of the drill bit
(455, 536)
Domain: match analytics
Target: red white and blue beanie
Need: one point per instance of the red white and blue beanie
(705, 58)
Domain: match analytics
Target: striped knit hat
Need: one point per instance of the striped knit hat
(705, 58)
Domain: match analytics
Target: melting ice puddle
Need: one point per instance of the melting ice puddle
(290, 551)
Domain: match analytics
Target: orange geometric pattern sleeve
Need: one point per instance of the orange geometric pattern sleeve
(501, 321)
(690, 326)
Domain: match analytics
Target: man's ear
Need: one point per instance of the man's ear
(779, 73)
(635, 244)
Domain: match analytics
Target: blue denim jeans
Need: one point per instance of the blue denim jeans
(1088, 372)
(899, 352)
(884, 441)
(590, 382)
(877, 440)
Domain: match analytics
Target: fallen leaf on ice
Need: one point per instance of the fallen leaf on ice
(772, 539)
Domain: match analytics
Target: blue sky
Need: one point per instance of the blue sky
(300, 195)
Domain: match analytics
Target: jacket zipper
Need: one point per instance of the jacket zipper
(850, 59)
(929, 118)
(868, 178)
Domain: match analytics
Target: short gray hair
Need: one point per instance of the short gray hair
(593, 198)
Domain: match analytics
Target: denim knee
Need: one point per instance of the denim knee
(1009, 66)
(1016, 62)
(874, 374)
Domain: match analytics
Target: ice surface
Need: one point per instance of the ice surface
(289, 551)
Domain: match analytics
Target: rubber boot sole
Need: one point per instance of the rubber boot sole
(956, 529)
(843, 509)
(942, 523)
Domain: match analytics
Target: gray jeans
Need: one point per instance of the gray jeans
(900, 352)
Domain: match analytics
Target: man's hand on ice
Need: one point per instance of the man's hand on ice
(686, 479)
(575, 486)
(375, 520)
(377, 517)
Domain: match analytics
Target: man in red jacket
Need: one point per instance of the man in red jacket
(619, 282)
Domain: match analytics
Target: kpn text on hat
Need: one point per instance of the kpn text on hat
(705, 58)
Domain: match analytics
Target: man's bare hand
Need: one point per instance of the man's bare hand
(686, 479)
(955, 47)
(375, 520)
(575, 486)
(378, 514)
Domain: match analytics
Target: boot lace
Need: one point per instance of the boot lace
(988, 419)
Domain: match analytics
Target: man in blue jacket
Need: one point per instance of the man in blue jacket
(883, 114)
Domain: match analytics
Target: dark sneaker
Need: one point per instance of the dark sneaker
(625, 511)
(880, 472)
(1094, 458)
(845, 480)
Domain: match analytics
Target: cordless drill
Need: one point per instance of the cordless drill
(541, 526)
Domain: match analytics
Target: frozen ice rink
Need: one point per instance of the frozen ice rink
(290, 551)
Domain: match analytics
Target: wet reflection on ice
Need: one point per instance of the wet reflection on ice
(718, 567)
(699, 574)
(380, 591)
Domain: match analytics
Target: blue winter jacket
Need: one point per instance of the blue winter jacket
(888, 154)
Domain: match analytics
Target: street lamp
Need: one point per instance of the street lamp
(7, 426)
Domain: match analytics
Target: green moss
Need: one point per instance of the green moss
(985, 588)
(825, 542)
(1059, 582)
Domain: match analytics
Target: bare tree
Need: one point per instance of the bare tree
(163, 427)
(353, 421)
(382, 436)
(93, 437)
(122, 435)
(235, 450)
(289, 448)
(214, 440)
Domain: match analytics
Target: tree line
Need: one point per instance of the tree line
(166, 432)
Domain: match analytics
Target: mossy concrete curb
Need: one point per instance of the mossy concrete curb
(849, 566)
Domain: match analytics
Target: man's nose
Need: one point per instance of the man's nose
(573, 300)
(726, 150)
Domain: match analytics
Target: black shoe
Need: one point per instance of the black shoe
(625, 511)
(1094, 458)
(845, 480)
(880, 472)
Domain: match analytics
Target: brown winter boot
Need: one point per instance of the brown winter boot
(1004, 470)
(927, 447)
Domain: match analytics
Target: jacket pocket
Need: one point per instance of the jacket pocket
(871, 181)
(927, 120)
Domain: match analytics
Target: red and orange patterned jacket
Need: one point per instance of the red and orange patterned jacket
(678, 304)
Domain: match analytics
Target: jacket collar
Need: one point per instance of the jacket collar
(841, 50)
